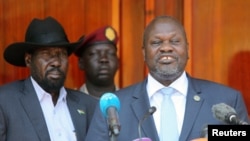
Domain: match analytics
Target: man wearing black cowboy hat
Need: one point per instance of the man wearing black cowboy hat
(40, 108)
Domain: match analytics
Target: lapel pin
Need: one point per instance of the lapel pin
(197, 98)
(81, 112)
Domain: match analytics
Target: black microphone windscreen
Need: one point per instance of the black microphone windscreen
(204, 132)
(152, 110)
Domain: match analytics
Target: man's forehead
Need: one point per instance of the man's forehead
(165, 27)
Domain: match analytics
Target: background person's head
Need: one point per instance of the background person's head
(45, 52)
(98, 56)
(165, 49)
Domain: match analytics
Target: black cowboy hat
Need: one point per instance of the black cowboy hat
(40, 33)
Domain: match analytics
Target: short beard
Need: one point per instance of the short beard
(167, 74)
(51, 85)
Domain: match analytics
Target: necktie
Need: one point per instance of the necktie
(168, 130)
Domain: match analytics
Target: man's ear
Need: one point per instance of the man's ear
(143, 52)
(27, 58)
(81, 64)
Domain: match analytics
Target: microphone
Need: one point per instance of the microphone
(227, 114)
(110, 106)
(150, 111)
(204, 132)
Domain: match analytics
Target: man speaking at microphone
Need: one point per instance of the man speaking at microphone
(183, 102)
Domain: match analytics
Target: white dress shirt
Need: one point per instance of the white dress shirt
(178, 98)
(57, 117)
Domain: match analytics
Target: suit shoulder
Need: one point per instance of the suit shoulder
(11, 86)
(135, 89)
(13, 83)
(212, 84)
(131, 87)
(214, 89)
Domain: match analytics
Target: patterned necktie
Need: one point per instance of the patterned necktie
(169, 130)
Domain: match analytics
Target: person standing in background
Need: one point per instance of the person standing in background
(165, 50)
(97, 57)
(40, 108)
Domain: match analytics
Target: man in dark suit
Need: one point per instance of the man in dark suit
(165, 50)
(40, 108)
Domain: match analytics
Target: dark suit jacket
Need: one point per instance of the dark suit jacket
(134, 104)
(21, 116)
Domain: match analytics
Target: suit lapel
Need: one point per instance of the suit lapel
(78, 113)
(139, 106)
(193, 105)
(33, 110)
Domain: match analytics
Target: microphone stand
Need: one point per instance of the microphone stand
(149, 112)
(113, 137)
(139, 127)
(114, 131)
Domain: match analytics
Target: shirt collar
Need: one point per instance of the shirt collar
(180, 84)
(41, 93)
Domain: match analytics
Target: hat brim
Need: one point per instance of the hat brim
(14, 53)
